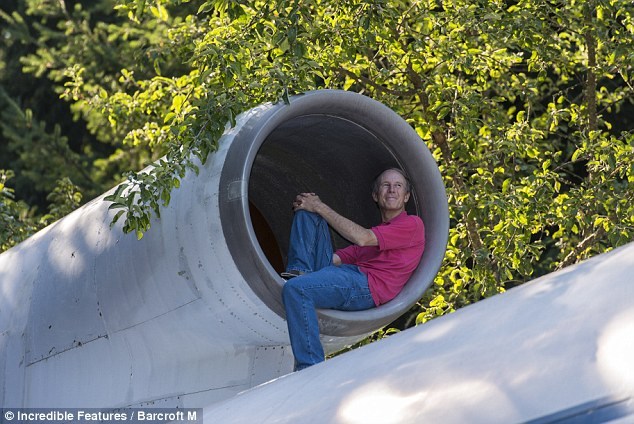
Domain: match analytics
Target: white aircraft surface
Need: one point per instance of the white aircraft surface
(559, 349)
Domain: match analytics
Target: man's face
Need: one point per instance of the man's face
(392, 194)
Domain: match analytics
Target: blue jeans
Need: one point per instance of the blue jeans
(323, 285)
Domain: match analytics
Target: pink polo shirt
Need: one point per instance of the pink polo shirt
(390, 264)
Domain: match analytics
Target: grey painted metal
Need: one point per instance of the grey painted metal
(190, 314)
(558, 349)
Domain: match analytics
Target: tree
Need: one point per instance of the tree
(48, 141)
(526, 105)
(17, 220)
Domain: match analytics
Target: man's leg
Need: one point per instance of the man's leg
(310, 246)
(334, 287)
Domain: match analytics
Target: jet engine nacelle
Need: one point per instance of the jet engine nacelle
(191, 313)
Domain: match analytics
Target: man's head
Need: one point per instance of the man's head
(391, 191)
(377, 181)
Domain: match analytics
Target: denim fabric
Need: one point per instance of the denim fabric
(310, 247)
(326, 286)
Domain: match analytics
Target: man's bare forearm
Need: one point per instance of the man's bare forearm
(348, 229)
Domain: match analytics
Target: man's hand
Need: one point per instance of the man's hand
(307, 201)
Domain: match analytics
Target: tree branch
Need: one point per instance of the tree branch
(583, 245)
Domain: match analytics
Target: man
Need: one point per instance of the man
(366, 274)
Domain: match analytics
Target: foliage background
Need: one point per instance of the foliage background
(527, 106)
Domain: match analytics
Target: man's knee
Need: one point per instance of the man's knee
(308, 217)
(290, 291)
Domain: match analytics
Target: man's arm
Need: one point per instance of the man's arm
(351, 231)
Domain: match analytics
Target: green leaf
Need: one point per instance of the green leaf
(505, 185)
